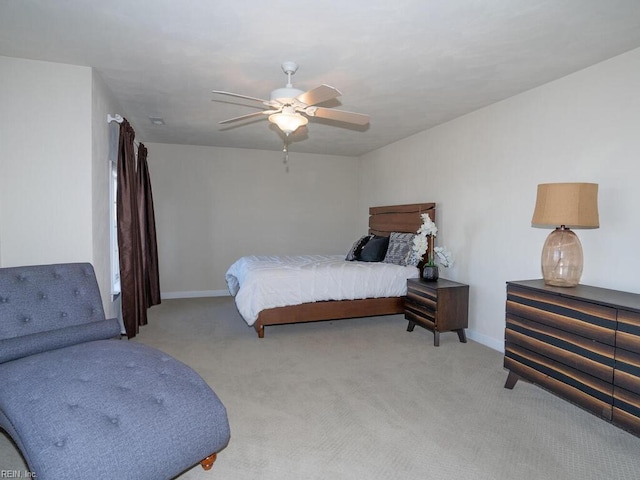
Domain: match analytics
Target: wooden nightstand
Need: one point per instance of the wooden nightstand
(440, 306)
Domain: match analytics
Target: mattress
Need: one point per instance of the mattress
(262, 282)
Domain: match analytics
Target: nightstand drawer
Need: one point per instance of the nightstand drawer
(422, 298)
(419, 313)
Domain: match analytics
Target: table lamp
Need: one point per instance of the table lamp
(563, 206)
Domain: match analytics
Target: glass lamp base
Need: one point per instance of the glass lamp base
(562, 258)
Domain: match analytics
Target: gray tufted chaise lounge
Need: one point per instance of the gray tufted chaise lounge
(79, 403)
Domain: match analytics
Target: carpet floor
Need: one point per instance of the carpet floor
(365, 399)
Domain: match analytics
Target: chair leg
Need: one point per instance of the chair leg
(207, 463)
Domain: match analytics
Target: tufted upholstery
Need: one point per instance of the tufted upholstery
(51, 306)
(80, 404)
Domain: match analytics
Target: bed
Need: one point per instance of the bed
(386, 299)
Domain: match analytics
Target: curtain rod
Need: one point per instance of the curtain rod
(114, 118)
(118, 118)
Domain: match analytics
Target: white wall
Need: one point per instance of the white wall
(482, 170)
(54, 195)
(45, 180)
(214, 205)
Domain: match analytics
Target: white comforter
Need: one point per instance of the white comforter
(261, 282)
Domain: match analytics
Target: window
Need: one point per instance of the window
(114, 133)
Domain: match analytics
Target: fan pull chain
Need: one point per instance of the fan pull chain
(285, 160)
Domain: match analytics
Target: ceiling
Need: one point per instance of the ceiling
(409, 64)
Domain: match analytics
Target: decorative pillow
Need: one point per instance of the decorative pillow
(399, 251)
(375, 249)
(356, 248)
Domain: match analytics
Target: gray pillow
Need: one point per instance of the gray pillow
(375, 249)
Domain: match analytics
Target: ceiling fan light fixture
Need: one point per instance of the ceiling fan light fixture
(288, 122)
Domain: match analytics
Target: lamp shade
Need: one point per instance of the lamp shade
(574, 205)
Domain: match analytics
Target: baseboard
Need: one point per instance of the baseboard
(196, 294)
(485, 340)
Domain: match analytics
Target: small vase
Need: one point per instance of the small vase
(430, 274)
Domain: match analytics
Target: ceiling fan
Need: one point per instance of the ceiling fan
(289, 107)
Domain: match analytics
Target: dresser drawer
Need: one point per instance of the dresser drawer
(578, 387)
(628, 334)
(592, 321)
(593, 358)
(627, 373)
(626, 410)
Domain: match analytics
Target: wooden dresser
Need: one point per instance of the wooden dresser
(581, 343)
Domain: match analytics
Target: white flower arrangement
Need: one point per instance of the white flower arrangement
(421, 244)
(445, 257)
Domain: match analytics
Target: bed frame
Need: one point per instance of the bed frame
(382, 221)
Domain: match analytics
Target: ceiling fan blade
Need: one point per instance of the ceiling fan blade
(338, 115)
(249, 115)
(318, 95)
(246, 97)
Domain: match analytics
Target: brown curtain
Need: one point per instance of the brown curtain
(132, 279)
(149, 245)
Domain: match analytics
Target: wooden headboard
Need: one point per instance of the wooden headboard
(399, 218)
